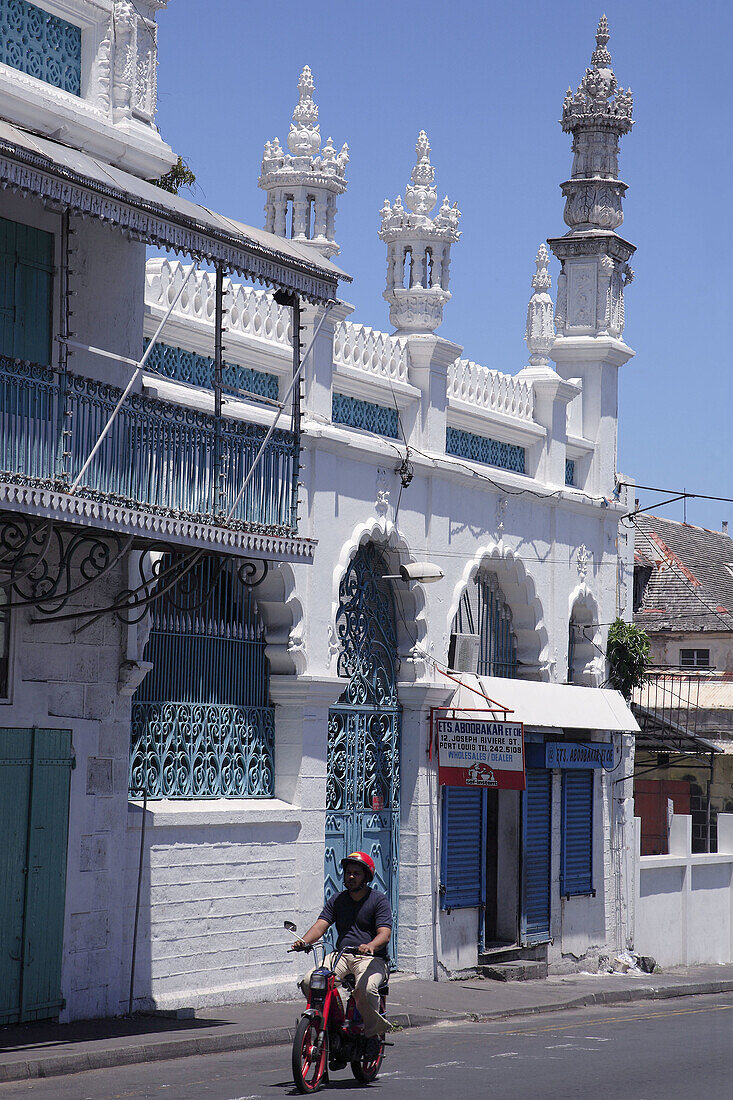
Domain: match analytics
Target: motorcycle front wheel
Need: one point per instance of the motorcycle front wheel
(310, 1054)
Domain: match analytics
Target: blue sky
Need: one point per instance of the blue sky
(486, 81)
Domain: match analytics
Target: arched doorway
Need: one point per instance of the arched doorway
(363, 781)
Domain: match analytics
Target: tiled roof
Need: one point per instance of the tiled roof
(691, 586)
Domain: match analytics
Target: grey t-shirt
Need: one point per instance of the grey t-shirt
(357, 921)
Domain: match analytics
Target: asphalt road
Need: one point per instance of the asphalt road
(682, 1048)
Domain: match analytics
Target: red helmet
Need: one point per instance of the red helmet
(363, 860)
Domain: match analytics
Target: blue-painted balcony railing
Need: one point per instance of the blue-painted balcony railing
(162, 457)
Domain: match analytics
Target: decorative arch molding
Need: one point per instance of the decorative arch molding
(588, 660)
(282, 616)
(410, 600)
(520, 594)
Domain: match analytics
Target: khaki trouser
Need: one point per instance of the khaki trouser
(369, 972)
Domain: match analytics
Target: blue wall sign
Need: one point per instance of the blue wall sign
(574, 754)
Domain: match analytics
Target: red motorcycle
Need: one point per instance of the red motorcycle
(326, 1038)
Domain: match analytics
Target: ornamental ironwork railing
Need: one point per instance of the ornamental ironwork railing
(198, 370)
(159, 456)
(40, 44)
(202, 750)
(569, 471)
(479, 448)
(363, 414)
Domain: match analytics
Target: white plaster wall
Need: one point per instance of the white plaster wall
(684, 902)
(65, 681)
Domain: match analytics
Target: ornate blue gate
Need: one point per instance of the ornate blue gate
(363, 786)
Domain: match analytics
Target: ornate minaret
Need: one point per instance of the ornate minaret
(594, 258)
(418, 249)
(302, 186)
(589, 315)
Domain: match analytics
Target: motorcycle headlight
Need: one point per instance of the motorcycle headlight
(319, 982)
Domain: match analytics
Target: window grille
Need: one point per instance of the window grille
(198, 370)
(479, 448)
(569, 471)
(576, 856)
(363, 414)
(484, 613)
(40, 44)
(202, 723)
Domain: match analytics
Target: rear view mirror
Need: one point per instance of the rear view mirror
(290, 926)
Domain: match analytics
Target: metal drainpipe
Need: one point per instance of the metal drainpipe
(708, 814)
(218, 350)
(137, 901)
(296, 414)
(63, 454)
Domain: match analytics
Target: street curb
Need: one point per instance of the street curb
(63, 1064)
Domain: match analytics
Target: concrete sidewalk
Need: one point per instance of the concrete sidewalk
(48, 1050)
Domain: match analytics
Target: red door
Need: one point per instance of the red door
(650, 804)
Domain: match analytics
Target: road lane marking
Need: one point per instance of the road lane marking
(620, 1019)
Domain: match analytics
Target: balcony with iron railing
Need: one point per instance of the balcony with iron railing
(171, 462)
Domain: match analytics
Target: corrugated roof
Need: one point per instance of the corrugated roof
(690, 588)
(88, 185)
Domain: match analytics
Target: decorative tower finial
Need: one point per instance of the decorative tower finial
(418, 249)
(595, 266)
(305, 182)
(540, 335)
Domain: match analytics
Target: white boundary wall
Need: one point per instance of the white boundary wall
(684, 902)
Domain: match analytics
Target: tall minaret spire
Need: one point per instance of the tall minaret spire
(302, 186)
(594, 261)
(595, 267)
(418, 249)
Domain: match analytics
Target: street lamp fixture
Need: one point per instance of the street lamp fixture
(423, 571)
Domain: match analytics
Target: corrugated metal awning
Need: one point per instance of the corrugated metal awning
(558, 706)
(90, 187)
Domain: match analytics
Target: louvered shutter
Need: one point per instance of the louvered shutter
(537, 807)
(26, 283)
(463, 850)
(576, 864)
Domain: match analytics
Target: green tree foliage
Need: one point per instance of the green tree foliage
(179, 176)
(628, 656)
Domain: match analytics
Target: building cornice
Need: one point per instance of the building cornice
(44, 502)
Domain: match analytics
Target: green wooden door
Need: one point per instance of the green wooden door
(34, 816)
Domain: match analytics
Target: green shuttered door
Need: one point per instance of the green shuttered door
(34, 813)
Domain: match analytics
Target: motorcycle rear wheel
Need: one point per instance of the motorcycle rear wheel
(365, 1069)
(310, 1054)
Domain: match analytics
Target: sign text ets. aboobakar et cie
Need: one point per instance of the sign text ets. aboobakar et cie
(480, 753)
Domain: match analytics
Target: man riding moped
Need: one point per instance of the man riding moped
(363, 919)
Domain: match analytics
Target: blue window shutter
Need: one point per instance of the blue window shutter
(576, 861)
(537, 856)
(26, 283)
(463, 849)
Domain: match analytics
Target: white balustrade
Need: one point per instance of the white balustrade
(248, 312)
(366, 349)
(490, 389)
